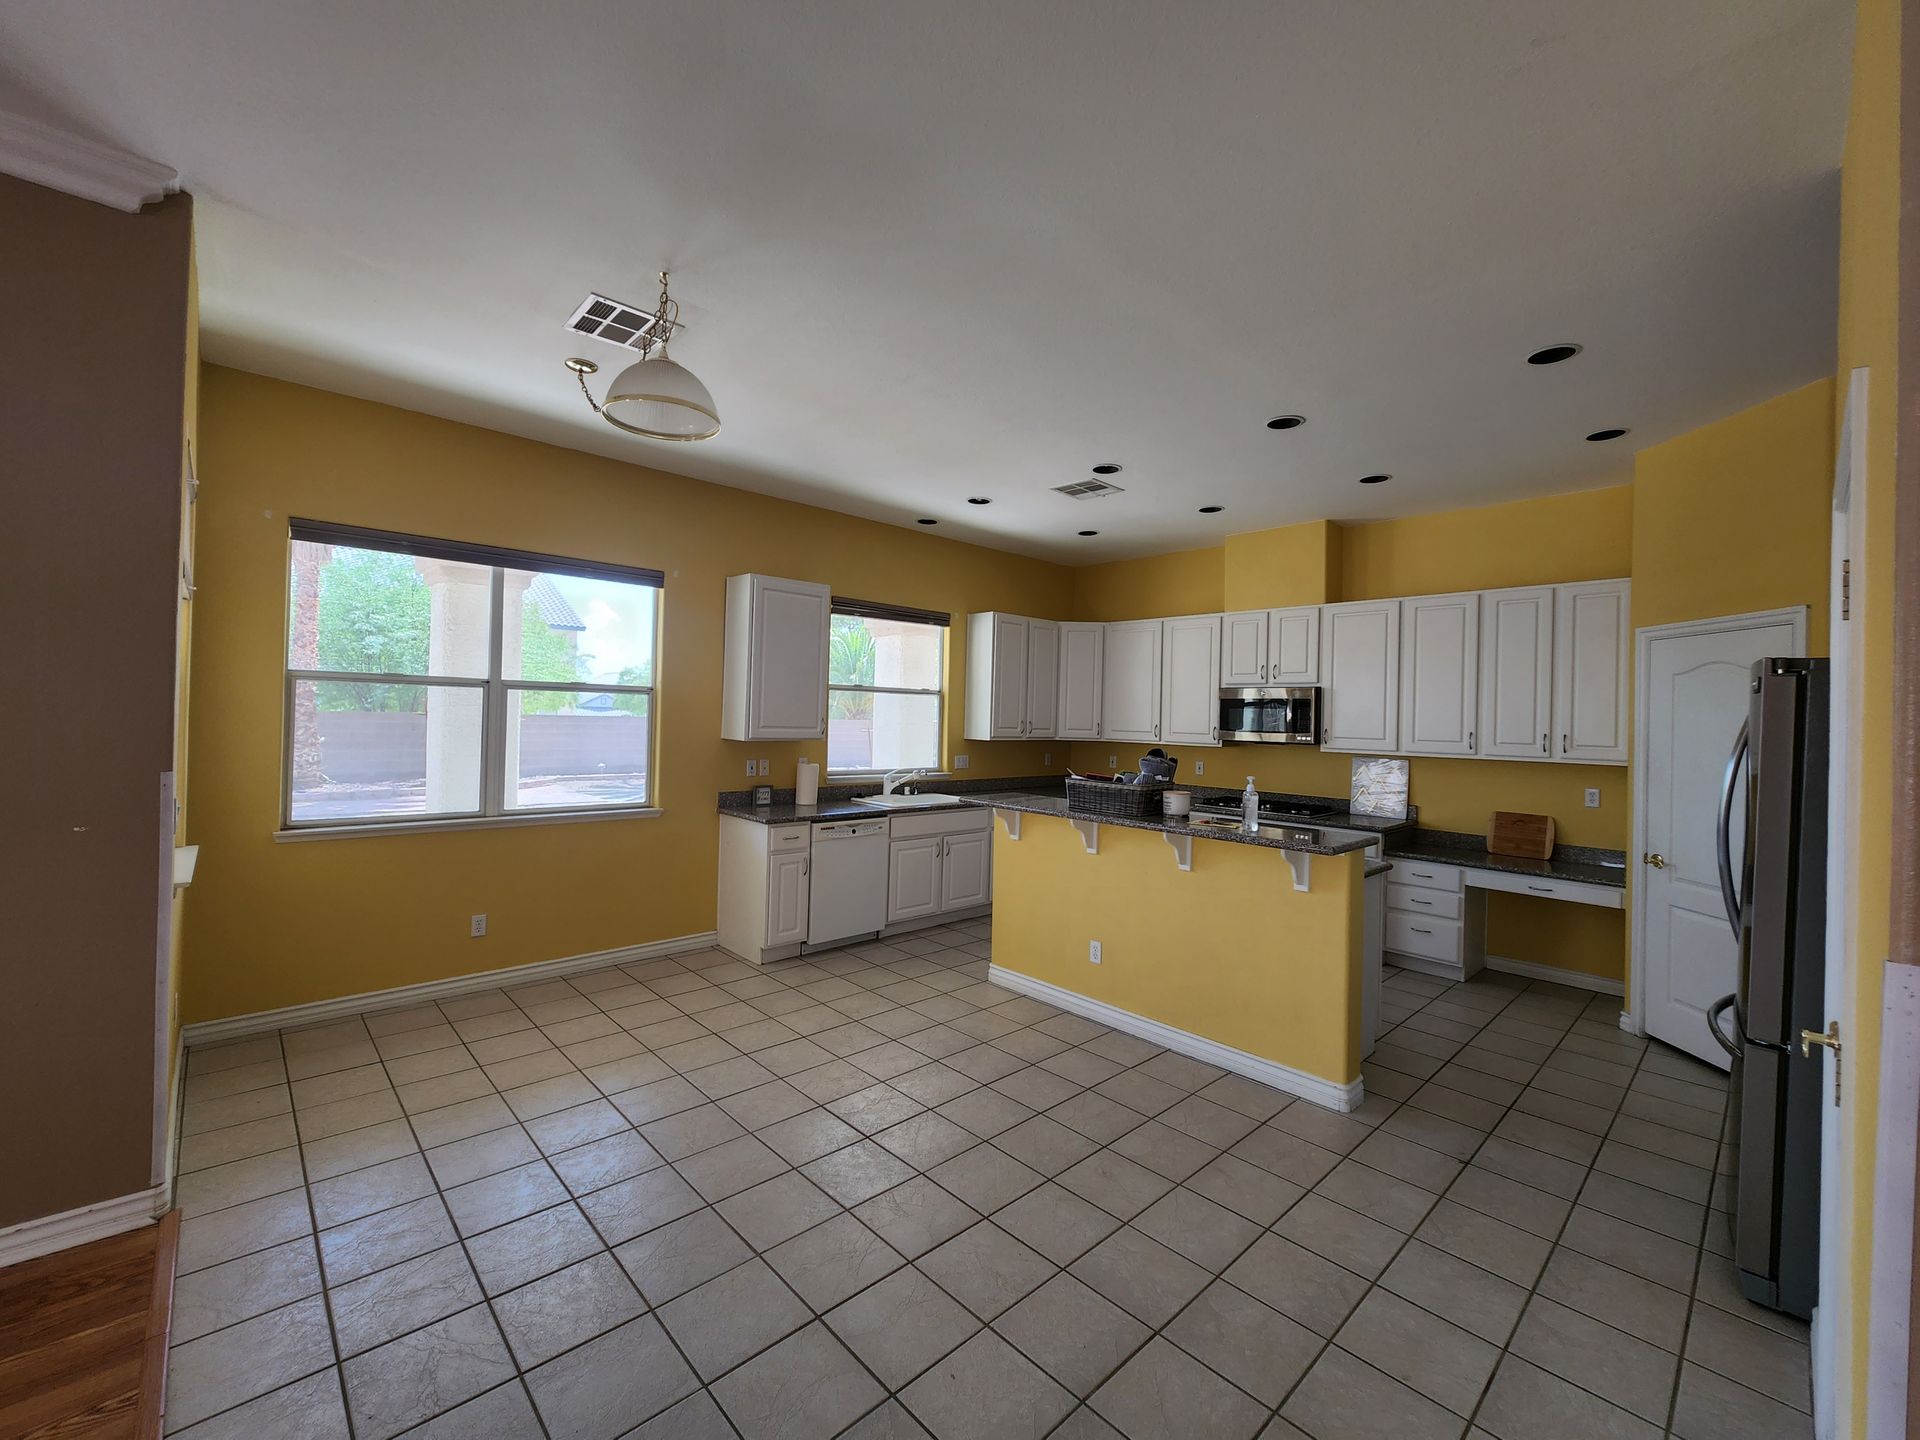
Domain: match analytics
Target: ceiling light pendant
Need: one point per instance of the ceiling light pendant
(654, 397)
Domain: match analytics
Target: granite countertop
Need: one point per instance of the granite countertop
(1302, 841)
(836, 802)
(1583, 863)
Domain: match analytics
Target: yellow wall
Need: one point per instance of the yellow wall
(1293, 565)
(1190, 582)
(1587, 535)
(278, 924)
(1869, 301)
(1176, 946)
(1735, 516)
(183, 657)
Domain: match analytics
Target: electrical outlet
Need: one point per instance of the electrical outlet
(1199, 767)
(1593, 797)
(765, 769)
(752, 769)
(1093, 952)
(478, 926)
(959, 762)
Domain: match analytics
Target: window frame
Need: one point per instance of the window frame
(496, 691)
(864, 610)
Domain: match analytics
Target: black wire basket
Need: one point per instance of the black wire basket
(1110, 797)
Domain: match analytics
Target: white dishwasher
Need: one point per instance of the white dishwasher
(848, 896)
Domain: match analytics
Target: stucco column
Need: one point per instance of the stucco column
(512, 646)
(457, 644)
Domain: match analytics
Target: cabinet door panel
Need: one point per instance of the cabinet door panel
(1439, 673)
(1360, 655)
(966, 870)
(787, 881)
(1243, 648)
(1043, 677)
(1131, 688)
(1082, 650)
(787, 675)
(1592, 635)
(1516, 673)
(913, 878)
(1009, 676)
(1293, 640)
(1190, 681)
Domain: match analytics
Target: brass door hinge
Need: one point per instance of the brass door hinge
(1831, 1039)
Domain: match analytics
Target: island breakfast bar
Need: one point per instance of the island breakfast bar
(1240, 950)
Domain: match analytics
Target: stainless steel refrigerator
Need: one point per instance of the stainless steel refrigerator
(1775, 888)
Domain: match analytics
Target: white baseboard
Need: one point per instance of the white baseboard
(31, 1238)
(1578, 980)
(1628, 1023)
(235, 1027)
(1268, 1072)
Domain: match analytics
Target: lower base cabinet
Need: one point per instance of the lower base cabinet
(939, 864)
(765, 881)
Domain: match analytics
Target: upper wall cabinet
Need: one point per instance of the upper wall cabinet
(1012, 676)
(1082, 650)
(1439, 673)
(1293, 646)
(1592, 634)
(1516, 673)
(1243, 648)
(774, 674)
(1190, 680)
(1360, 664)
(1130, 682)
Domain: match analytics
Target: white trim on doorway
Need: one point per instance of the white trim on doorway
(1643, 640)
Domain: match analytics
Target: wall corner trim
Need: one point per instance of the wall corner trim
(235, 1027)
(1577, 979)
(1268, 1072)
(32, 1238)
(61, 160)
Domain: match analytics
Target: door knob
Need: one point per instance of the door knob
(1658, 862)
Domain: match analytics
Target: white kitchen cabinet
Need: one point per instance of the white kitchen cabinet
(1439, 673)
(913, 878)
(1012, 676)
(1243, 648)
(773, 682)
(1190, 680)
(1130, 684)
(1293, 646)
(764, 888)
(1592, 638)
(1043, 678)
(1516, 673)
(787, 889)
(1077, 704)
(1360, 659)
(966, 869)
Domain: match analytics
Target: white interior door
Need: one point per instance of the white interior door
(1695, 679)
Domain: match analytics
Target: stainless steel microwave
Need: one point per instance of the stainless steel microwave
(1271, 715)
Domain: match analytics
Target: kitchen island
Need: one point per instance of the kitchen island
(1243, 950)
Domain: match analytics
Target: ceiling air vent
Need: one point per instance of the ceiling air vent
(1086, 489)
(613, 321)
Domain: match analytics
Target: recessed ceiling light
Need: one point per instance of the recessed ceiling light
(1286, 422)
(1211, 509)
(1375, 479)
(1089, 532)
(1553, 354)
(1106, 468)
(1614, 434)
(978, 500)
(925, 521)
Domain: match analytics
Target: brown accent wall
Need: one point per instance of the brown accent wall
(93, 334)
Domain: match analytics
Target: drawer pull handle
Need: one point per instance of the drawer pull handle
(1543, 889)
(1418, 931)
(1420, 902)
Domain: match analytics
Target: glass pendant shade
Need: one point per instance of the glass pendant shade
(660, 399)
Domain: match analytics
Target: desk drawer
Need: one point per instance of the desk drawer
(1415, 901)
(1581, 892)
(1418, 935)
(1427, 875)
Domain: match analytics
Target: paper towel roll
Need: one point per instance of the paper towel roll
(806, 783)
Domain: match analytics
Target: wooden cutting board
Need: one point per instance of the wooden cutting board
(1515, 832)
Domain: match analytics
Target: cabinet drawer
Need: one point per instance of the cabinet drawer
(1611, 897)
(941, 822)
(1417, 901)
(1426, 875)
(781, 838)
(1418, 935)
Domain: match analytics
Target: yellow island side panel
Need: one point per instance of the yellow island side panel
(1228, 951)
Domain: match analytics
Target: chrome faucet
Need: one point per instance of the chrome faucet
(893, 779)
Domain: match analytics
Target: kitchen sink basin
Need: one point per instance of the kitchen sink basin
(906, 802)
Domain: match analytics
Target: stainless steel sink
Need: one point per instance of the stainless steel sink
(906, 802)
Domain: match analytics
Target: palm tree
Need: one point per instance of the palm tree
(851, 659)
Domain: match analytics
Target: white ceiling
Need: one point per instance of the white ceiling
(927, 252)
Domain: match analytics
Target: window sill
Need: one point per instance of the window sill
(855, 777)
(471, 822)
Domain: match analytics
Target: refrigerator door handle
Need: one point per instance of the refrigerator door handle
(1719, 1008)
(1729, 892)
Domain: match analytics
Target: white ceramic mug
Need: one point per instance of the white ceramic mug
(1176, 802)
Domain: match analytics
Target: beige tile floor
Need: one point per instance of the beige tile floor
(870, 1194)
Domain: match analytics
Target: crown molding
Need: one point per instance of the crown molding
(47, 155)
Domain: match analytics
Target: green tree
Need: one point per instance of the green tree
(641, 674)
(851, 660)
(375, 615)
(547, 654)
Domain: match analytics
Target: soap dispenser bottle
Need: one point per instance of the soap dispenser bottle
(1250, 808)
